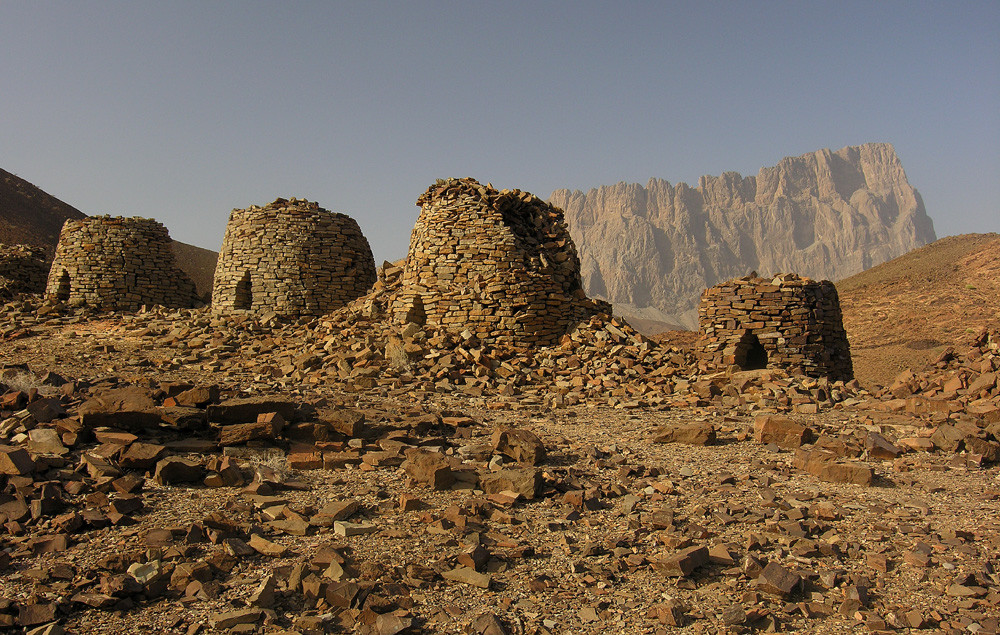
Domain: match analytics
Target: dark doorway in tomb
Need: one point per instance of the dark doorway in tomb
(750, 353)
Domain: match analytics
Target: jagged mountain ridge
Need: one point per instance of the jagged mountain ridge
(828, 215)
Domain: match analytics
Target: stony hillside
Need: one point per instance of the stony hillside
(30, 216)
(198, 263)
(827, 215)
(905, 312)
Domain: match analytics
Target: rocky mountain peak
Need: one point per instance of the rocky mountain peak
(827, 215)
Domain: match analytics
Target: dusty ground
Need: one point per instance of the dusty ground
(918, 547)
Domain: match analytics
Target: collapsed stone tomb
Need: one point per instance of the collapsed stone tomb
(500, 264)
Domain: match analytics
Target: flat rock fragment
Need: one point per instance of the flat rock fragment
(467, 575)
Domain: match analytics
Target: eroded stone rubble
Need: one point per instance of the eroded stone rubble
(345, 474)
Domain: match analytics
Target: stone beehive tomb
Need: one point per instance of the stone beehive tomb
(116, 263)
(23, 269)
(291, 257)
(786, 322)
(498, 263)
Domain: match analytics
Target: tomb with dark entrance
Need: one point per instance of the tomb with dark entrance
(118, 263)
(786, 321)
(293, 258)
(750, 353)
(65, 287)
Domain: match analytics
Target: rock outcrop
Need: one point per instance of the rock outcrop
(827, 215)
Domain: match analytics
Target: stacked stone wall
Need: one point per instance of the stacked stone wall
(500, 264)
(116, 263)
(796, 321)
(23, 269)
(293, 258)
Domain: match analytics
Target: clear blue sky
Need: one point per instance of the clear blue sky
(181, 111)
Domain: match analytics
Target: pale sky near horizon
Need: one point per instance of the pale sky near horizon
(182, 111)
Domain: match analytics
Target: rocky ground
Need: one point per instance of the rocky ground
(179, 471)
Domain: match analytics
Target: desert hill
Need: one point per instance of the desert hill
(651, 250)
(905, 312)
(198, 263)
(31, 216)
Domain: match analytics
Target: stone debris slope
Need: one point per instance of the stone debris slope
(23, 269)
(179, 470)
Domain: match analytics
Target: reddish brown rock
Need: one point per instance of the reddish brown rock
(15, 461)
(468, 576)
(34, 614)
(523, 446)
(780, 431)
(431, 468)
(826, 467)
(234, 411)
(524, 481)
(173, 470)
(198, 397)
(141, 456)
(267, 426)
(881, 448)
(690, 433)
(683, 562)
(777, 580)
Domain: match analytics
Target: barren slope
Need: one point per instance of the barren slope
(198, 264)
(904, 312)
(30, 216)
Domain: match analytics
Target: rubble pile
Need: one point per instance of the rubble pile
(957, 397)
(293, 258)
(786, 322)
(23, 269)
(498, 263)
(360, 349)
(198, 508)
(116, 263)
